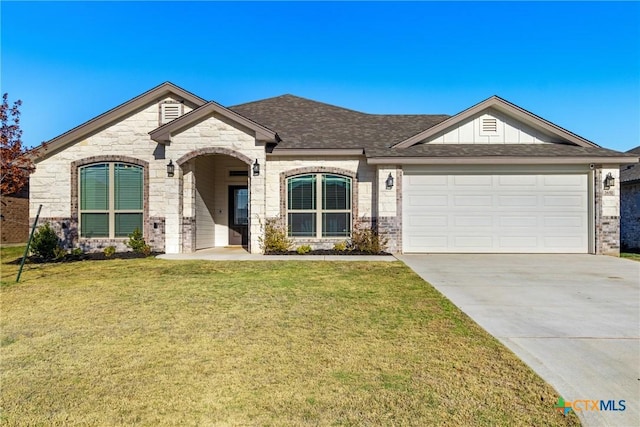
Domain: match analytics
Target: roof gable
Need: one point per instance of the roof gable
(163, 133)
(506, 108)
(115, 114)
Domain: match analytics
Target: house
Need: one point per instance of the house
(630, 205)
(193, 174)
(14, 216)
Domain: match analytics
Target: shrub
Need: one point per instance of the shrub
(137, 244)
(59, 253)
(109, 251)
(367, 240)
(340, 246)
(303, 249)
(275, 237)
(45, 243)
(77, 252)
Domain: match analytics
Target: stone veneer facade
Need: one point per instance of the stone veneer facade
(607, 212)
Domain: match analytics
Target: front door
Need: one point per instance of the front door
(238, 215)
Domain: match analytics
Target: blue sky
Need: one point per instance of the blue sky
(576, 64)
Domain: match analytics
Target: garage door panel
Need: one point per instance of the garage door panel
(517, 200)
(472, 241)
(517, 180)
(562, 222)
(428, 201)
(472, 221)
(473, 180)
(496, 213)
(565, 201)
(518, 242)
(468, 200)
(518, 221)
(563, 241)
(418, 222)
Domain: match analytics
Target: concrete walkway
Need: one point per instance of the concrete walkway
(240, 254)
(574, 319)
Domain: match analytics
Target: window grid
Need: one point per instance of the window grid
(111, 211)
(319, 210)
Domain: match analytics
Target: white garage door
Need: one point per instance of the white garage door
(471, 212)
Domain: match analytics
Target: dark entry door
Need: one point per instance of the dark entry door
(238, 215)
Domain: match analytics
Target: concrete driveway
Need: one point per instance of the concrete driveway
(574, 319)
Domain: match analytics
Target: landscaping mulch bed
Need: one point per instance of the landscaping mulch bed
(93, 256)
(327, 252)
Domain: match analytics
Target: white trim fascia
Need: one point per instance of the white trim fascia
(289, 152)
(496, 160)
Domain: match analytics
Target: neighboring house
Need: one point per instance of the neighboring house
(630, 205)
(493, 178)
(14, 217)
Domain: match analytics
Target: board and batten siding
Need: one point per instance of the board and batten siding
(479, 130)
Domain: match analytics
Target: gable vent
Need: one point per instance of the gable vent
(489, 125)
(169, 112)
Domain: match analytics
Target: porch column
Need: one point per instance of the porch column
(173, 212)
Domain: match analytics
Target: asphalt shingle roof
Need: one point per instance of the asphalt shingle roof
(303, 123)
(631, 173)
(494, 150)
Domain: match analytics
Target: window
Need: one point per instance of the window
(319, 205)
(110, 200)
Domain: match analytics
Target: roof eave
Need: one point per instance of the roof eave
(332, 152)
(112, 115)
(498, 160)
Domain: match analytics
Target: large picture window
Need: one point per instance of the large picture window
(319, 205)
(110, 199)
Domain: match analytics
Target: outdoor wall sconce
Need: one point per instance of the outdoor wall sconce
(170, 169)
(389, 182)
(256, 168)
(609, 181)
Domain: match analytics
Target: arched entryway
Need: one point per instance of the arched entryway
(216, 199)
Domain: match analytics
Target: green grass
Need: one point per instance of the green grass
(153, 342)
(631, 256)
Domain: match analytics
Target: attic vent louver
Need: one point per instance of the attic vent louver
(489, 125)
(169, 112)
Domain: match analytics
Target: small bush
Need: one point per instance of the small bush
(275, 238)
(304, 249)
(109, 251)
(340, 246)
(77, 252)
(59, 253)
(367, 240)
(137, 244)
(46, 243)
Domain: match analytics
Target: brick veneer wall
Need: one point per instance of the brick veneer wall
(630, 216)
(14, 217)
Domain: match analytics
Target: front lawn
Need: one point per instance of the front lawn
(155, 342)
